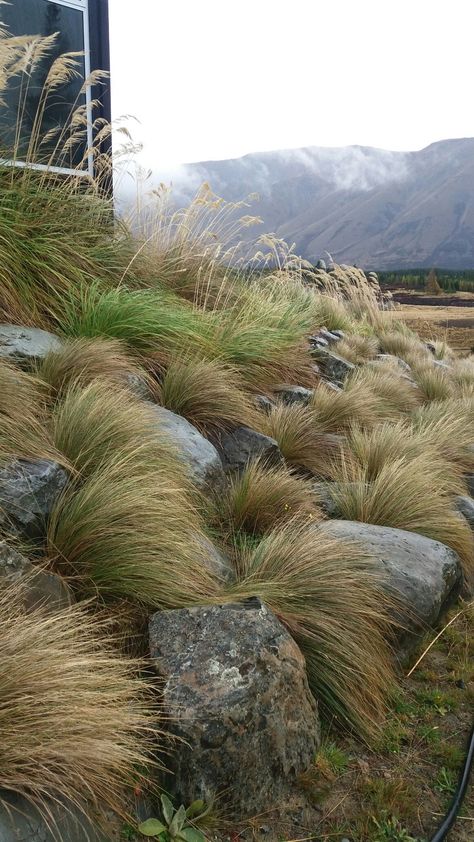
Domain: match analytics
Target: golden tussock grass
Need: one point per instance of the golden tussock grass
(84, 360)
(208, 393)
(395, 393)
(23, 417)
(264, 497)
(304, 575)
(433, 383)
(303, 446)
(407, 347)
(405, 493)
(358, 349)
(334, 412)
(76, 722)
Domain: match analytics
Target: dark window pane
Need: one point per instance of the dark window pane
(42, 17)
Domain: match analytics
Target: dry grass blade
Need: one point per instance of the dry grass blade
(263, 497)
(304, 576)
(208, 393)
(76, 721)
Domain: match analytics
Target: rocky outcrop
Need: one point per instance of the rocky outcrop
(199, 456)
(424, 575)
(242, 445)
(26, 345)
(39, 587)
(236, 689)
(28, 492)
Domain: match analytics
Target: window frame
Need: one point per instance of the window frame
(96, 56)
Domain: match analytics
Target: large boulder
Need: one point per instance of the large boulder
(242, 445)
(424, 575)
(21, 821)
(235, 687)
(26, 345)
(199, 456)
(28, 492)
(39, 587)
(335, 368)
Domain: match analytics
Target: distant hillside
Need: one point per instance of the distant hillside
(372, 207)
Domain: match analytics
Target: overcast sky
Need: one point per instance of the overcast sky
(212, 79)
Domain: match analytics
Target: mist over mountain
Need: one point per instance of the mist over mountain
(376, 208)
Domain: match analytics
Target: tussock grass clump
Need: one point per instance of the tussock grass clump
(128, 527)
(91, 424)
(433, 383)
(462, 376)
(408, 347)
(75, 719)
(396, 395)
(405, 494)
(335, 411)
(358, 349)
(333, 314)
(54, 237)
(447, 427)
(302, 445)
(263, 335)
(208, 393)
(23, 433)
(145, 320)
(264, 497)
(82, 361)
(305, 576)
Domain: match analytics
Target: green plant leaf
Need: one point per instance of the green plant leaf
(152, 827)
(179, 819)
(168, 809)
(196, 808)
(192, 834)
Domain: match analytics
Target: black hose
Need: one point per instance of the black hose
(448, 822)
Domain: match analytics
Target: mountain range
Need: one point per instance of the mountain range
(370, 207)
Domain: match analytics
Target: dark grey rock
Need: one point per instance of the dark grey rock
(333, 367)
(200, 457)
(236, 690)
(318, 341)
(40, 587)
(242, 445)
(470, 484)
(392, 358)
(333, 386)
(424, 574)
(294, 394)
(324, 498)
(465, 505)
(28, 492)
(26, 345)
(263, 403)
(330, 336)
(20, 821)
(339, 333)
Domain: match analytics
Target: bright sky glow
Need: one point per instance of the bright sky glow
(211, 79)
